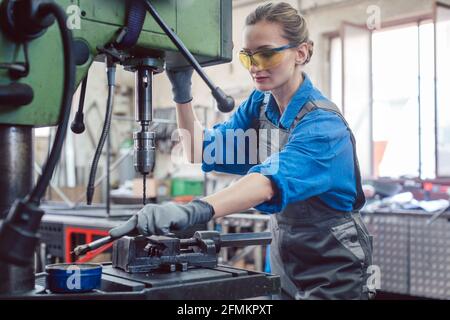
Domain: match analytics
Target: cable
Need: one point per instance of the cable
(68, 88)
(111, 71)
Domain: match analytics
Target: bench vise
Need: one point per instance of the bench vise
(165, 253)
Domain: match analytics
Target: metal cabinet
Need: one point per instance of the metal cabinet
(414, 257)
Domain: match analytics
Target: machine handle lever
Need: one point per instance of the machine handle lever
(85, 248)
(225, 103)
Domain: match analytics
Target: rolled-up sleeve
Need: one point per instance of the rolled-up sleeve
(302, 168)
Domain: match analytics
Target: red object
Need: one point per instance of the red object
(427, 186)
(90, 235)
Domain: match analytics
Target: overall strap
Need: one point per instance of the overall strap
(331, 107)
(262, 108)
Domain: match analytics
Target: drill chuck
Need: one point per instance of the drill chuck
(144, 151)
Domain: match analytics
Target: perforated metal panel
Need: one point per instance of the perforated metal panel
(430, 258)
(414, 258)
(52, 234)
(390, 252)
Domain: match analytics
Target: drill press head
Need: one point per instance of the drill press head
(144, 140)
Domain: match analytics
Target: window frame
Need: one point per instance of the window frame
(436, 6)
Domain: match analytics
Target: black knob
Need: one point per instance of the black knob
(224, 103)
(77, 125)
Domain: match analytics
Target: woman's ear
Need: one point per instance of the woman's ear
(302, 53)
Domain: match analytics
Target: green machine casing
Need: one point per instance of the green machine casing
(203, 25)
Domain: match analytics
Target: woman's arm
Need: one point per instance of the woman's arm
(191, 132)
(247, 192)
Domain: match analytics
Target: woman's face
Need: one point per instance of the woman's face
(264, 35)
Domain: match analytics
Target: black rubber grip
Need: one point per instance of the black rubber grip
(16, 95)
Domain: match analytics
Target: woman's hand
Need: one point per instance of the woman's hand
(160, 219)
(181, 80)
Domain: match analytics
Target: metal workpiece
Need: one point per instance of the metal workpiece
(245, 239)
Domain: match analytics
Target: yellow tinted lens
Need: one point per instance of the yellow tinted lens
(245, 60)
(268, 59)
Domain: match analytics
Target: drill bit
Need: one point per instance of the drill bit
(144, 189)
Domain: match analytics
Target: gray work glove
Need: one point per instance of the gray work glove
(181, 80)
(162, 219)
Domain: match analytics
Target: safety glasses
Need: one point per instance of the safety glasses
(264, 59)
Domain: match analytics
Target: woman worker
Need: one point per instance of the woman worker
(305, 174)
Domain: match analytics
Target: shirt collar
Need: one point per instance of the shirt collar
(297, 102)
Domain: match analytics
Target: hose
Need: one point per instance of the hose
(111, 71)
(135, 21)
(66, 103)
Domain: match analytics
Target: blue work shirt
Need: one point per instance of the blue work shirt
(317, 160)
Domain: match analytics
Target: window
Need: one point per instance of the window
(336, 71)
(402, 95)
(427, 102)
(395, 81)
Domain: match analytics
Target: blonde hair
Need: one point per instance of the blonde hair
(294, 24)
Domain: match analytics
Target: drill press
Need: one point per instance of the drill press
(25, 103)
(29, 37)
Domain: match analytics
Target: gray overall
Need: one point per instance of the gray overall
(319, 252)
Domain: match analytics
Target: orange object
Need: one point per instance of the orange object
(183, 199)
(428, 186)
